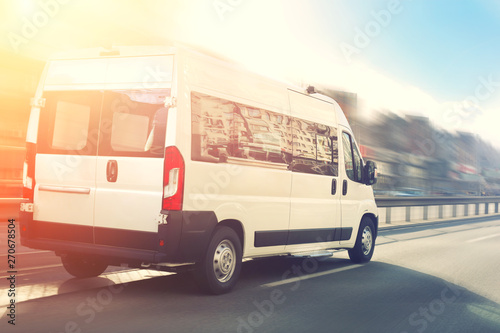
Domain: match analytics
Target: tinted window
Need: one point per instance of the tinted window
(352, 159)
(69, 123)
(71, 126)
(133, 123)
(225, 131)
(313, 148)
(124, 123)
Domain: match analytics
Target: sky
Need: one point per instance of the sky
(438, 59)
(434, 58)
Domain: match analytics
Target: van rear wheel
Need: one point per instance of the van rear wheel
(365, 242)
(220, 268)
(83, 266)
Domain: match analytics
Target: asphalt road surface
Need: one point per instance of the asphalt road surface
(439, 278)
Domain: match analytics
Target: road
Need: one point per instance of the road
(434, 278)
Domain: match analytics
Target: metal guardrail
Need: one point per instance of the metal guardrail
(395, 202)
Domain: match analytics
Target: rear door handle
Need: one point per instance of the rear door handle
(344, 187)
(334, 186)
(112, 171)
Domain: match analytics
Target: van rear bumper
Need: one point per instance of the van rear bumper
(111, 253)
(184, 238)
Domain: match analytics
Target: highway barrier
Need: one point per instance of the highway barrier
(414, 209)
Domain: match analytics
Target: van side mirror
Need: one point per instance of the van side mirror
(370, 173)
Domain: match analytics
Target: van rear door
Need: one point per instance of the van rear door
(65, 165)
(129, 173)
(100, 147)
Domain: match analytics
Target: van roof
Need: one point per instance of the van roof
(157, 50)
(115, 51)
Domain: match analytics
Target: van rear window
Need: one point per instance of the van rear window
(104, 123)
(69, 123)
(71, 126)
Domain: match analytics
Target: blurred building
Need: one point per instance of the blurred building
(18, 80)
(415, 158)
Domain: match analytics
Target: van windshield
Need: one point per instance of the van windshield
(104, 123)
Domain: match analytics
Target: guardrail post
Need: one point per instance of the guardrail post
(408, 213)
(441, 214)
(496, 207)
(466, 210)
(454, 210)
(388, 215)
(477, 209)
(487, 208)
(426, 213)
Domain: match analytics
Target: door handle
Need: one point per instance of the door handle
(112, 171)
(344, 187)
(334, 186)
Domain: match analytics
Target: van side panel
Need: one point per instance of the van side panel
(250, 185)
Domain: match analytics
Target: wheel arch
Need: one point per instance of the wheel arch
(237, 226)
(374, 219)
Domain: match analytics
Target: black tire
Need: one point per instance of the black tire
(83, 266)
(365, 242)
(220, 268)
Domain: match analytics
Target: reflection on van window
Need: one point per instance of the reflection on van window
(352, 159)
(71, 126)
(314, 148)
(225, 131)
(104, 123)
(129, 132)
(133, 123)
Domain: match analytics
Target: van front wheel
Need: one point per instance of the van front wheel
(220, 268)
(83, 266)
(365, 242)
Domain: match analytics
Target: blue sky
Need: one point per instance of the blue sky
(443, 46)
(431, 57)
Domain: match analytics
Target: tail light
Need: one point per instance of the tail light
(29, 172)
(173, 179)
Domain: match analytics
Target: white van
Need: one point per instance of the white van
(162, 156)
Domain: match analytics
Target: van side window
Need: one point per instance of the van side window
(226, 131)
(352, 159)
(313, 148)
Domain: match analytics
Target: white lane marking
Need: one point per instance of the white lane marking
(308, 276)
(21, 253)
(22, 271)
(35, 291)
(482, 238)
